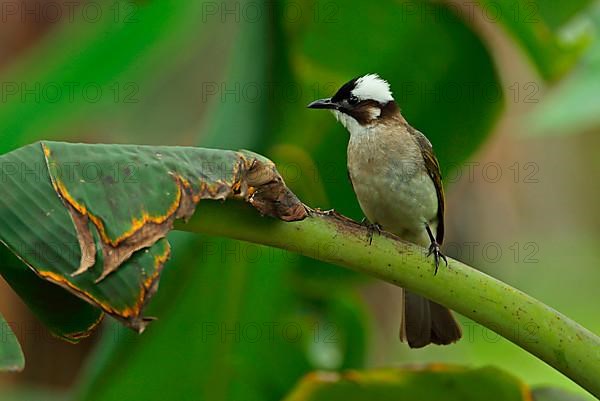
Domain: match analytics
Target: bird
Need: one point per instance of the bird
(397, 181)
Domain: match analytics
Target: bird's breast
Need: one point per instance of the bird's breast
(391, 183)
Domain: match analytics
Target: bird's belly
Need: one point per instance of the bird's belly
(400, 203)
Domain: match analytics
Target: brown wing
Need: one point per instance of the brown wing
(433, 169)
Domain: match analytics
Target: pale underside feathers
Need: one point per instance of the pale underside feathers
(371, 86)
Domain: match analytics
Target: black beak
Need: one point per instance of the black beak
(323, 104)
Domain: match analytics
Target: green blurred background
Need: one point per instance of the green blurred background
(506, 91)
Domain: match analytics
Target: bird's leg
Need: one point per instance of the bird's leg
(371, 228)
(434, 248)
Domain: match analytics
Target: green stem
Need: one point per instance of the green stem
(535, 327)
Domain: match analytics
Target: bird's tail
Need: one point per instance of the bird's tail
(425, 322)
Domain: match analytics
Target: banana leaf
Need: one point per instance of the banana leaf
(86, 218)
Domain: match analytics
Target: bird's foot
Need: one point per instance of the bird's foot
(371, 229)
(434, 249)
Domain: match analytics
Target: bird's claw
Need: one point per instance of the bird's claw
(371, 228)
(434, 249)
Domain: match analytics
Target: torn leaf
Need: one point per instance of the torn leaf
(93, 218)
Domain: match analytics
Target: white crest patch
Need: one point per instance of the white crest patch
(371, 86)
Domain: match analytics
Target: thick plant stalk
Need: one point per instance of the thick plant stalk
(535, 327)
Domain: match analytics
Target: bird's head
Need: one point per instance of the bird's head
(361, 102)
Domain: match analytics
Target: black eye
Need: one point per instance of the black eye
(353, 100)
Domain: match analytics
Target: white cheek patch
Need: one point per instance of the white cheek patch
(349, 122)
(344, 118)
(353, 127)
(371, 86)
